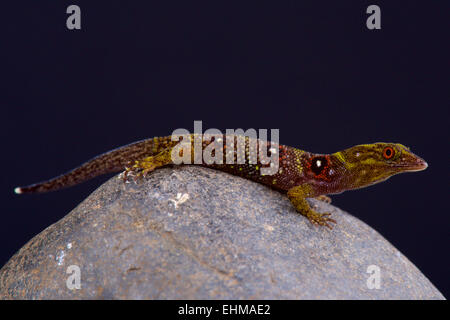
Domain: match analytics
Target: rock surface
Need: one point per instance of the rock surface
(196, 233)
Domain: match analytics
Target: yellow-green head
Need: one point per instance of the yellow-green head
(367, 164)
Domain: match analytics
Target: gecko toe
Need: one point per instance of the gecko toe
(322, 219)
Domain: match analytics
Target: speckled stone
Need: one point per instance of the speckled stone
(196, 233)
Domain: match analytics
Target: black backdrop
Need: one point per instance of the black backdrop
(310, 68)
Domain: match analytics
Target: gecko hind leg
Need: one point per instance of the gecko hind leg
(141, 168)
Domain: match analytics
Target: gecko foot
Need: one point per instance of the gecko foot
(126, 173)
(320, 219)
(140, 169)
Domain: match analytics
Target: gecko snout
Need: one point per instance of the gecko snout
(421, 164)
(411, 162)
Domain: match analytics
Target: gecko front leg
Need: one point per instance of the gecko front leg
(297, 195)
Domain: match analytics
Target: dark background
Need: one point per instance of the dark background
(310, 68)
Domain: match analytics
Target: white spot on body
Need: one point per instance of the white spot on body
(69, 245)
(318, 163)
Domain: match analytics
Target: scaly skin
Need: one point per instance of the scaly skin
(301, 174)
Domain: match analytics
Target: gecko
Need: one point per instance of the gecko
(300, 175)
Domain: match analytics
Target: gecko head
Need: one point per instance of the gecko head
(373, 163)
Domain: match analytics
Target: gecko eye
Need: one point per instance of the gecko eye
(318, 165)
(388, 153)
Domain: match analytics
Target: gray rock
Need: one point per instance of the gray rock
(196, 233)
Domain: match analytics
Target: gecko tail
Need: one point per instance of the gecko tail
(113, 161)
(41, 187)
(80, 174)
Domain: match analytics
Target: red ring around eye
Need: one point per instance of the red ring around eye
(388, 152)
